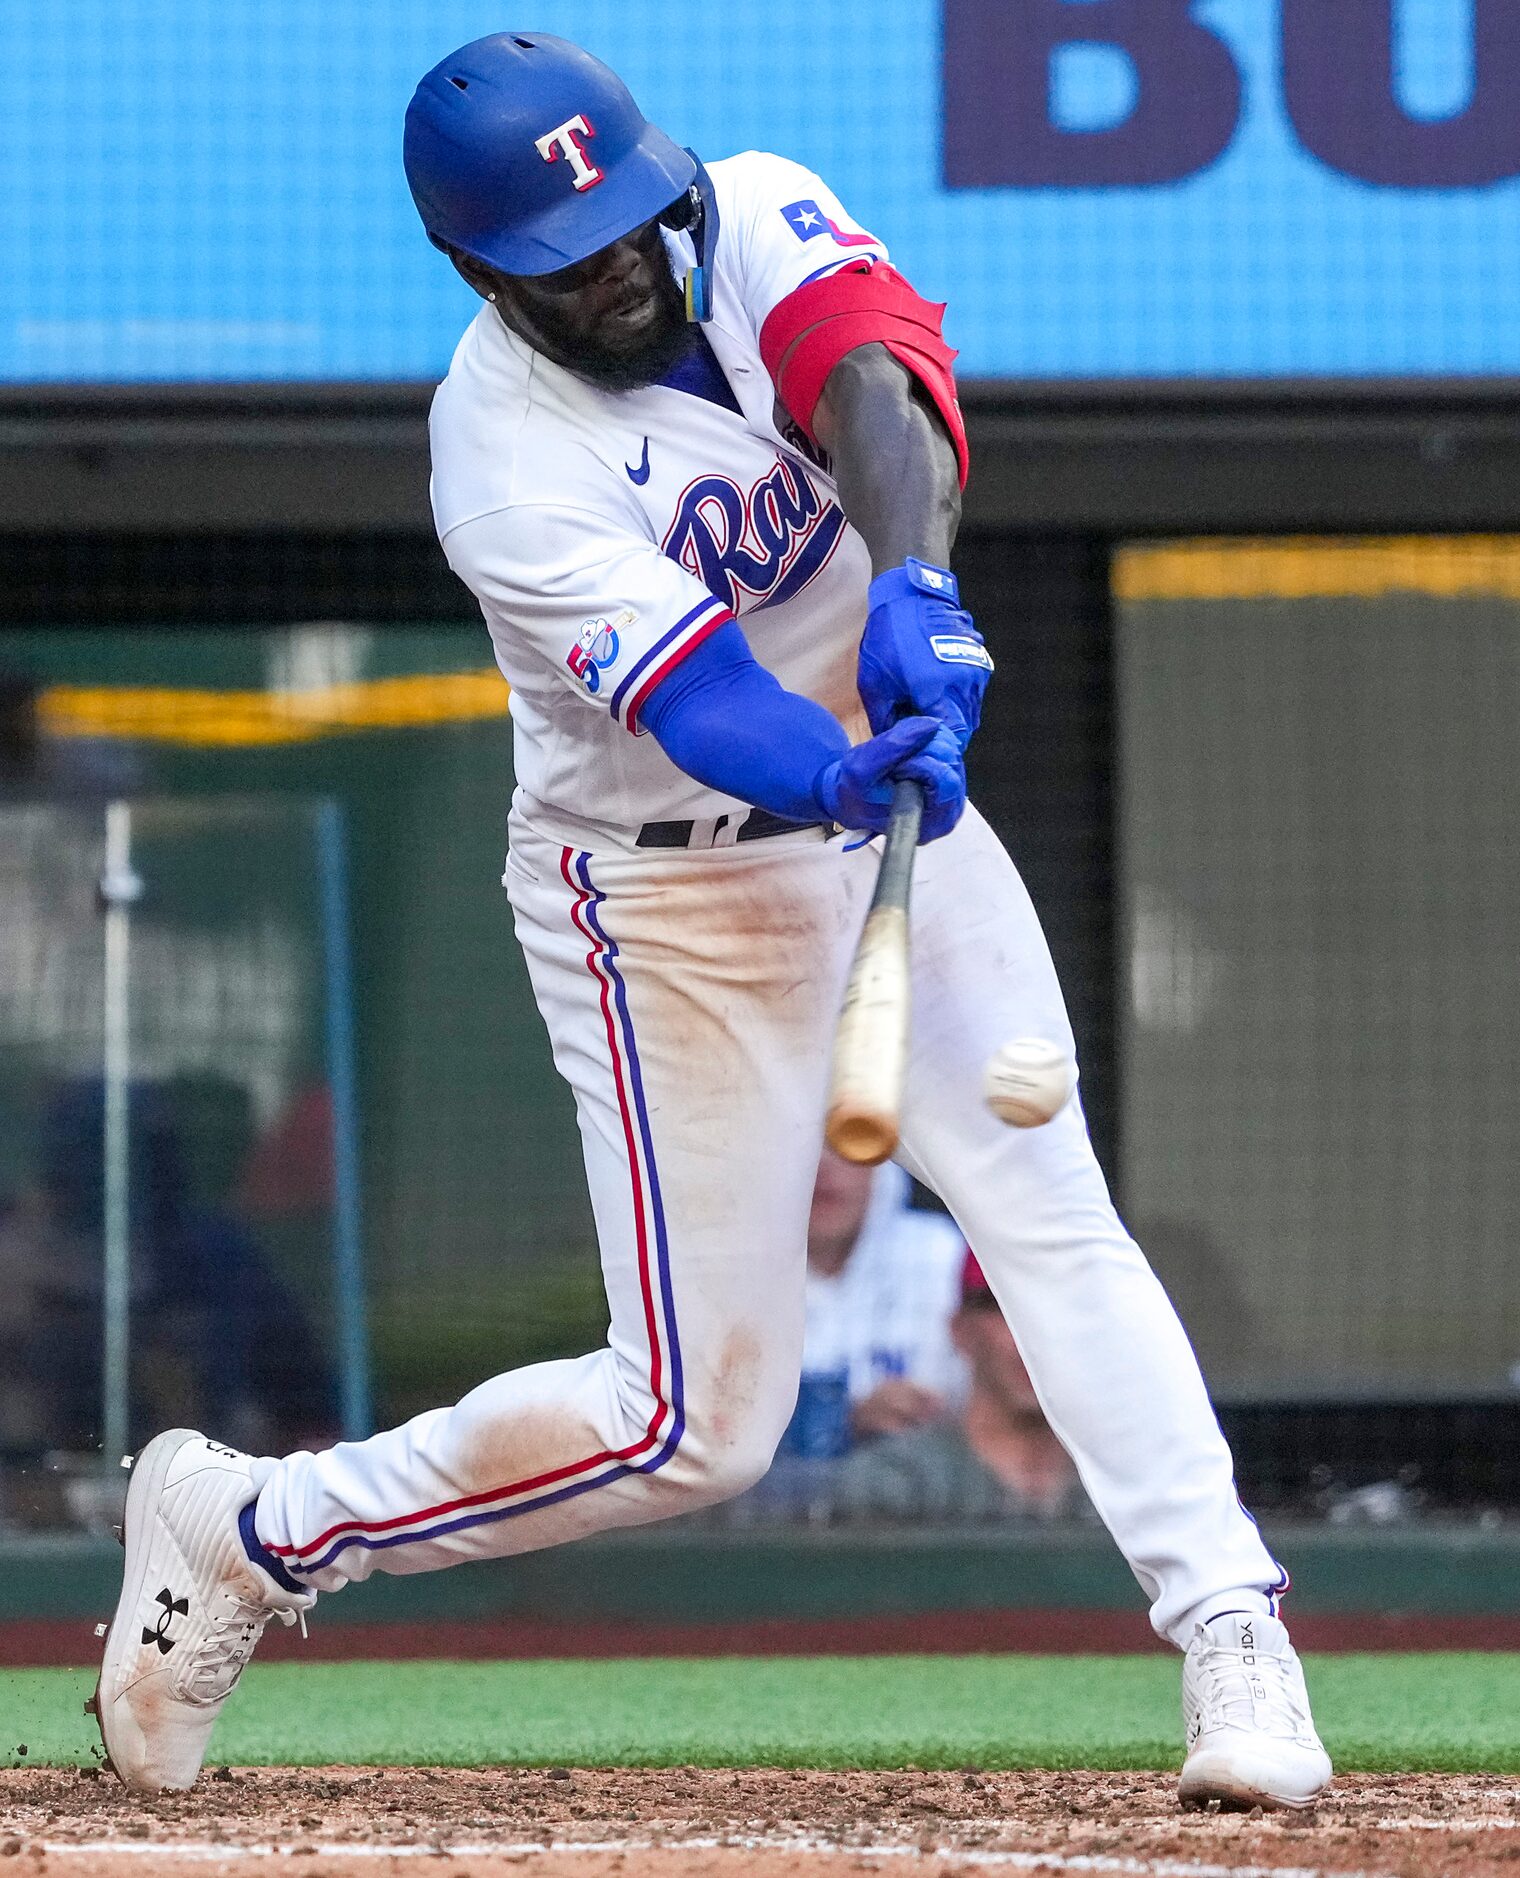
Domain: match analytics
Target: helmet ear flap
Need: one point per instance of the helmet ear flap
(696, 214)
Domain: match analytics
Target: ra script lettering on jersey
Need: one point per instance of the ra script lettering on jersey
(768, 544)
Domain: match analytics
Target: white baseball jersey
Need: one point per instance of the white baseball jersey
(606, 534)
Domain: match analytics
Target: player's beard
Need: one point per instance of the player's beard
(630, 367)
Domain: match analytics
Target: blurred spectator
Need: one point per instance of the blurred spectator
(217, 1339)
(289, 1172)
(286, 1185)
(996, 1458)
(914, 1402)
(1003, 1423)
(881, 1287)
(36, 766)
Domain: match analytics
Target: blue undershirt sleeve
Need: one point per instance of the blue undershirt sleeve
(723, 718)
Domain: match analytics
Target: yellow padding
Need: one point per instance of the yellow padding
(1320, 568)
(231, 718)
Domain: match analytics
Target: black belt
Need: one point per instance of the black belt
(755, 827)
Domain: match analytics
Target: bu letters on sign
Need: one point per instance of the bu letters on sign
(1339, 91)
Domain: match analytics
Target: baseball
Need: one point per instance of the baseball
(1029, 1081)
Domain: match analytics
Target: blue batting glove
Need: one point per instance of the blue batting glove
(856, 789)
(920, 653)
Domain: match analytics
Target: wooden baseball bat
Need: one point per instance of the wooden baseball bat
(871, 1040)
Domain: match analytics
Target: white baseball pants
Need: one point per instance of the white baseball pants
(690, 997)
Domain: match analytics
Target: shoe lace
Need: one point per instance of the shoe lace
(1262, 1694)
(223, 1650)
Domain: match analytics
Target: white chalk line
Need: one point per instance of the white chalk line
(210, 1850)
(1485, 1822)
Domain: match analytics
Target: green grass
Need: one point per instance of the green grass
(1457, 1713)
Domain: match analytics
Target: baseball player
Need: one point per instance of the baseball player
(698, 456)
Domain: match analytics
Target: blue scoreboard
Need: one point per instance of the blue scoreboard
(212, 189)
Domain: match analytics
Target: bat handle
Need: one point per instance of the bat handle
(896, 874)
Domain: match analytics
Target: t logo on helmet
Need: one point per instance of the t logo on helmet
(565, 141)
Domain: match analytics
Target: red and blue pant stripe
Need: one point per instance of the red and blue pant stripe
(667, 1423)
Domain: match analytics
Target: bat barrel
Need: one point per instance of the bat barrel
(867, 1140)
(871, 1042)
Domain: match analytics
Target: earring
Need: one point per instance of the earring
(490, 296)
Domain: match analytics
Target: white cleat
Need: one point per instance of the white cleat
(1250, 1736)
(193, 1606)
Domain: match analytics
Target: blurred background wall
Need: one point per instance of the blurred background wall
(1240, 352)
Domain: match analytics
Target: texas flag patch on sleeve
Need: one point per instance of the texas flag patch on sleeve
(806, 219)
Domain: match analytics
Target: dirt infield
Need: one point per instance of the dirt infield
(701, 1823)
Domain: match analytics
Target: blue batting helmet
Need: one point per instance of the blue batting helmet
(529, 154)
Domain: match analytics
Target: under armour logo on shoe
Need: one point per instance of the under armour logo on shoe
(159, 1634)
